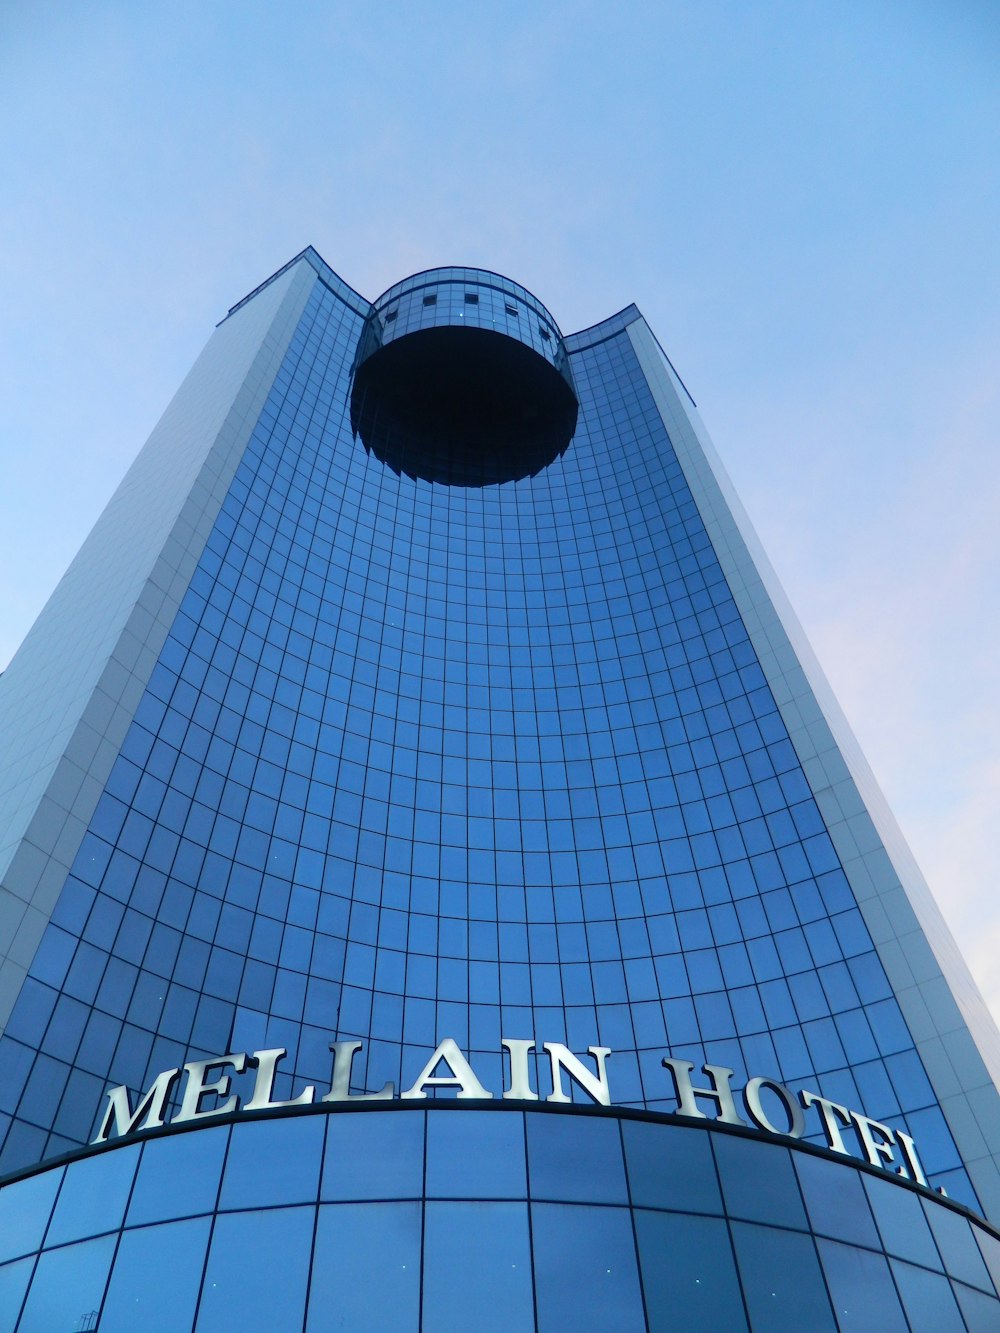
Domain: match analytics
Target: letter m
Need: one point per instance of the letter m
(124, 1120)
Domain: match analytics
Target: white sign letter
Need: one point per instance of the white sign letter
(720, 1092)
(461, 1075)
(124, 1119)
(595, 1087)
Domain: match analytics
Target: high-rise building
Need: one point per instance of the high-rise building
(438, 887)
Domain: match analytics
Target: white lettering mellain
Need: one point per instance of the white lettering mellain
(448, 1067)
(196, 1087)
(595, 1086)
(340, 1082)
(520, 1082)
(152, 1105)
(720, 1092)
(267, 1064)
(461, 1075)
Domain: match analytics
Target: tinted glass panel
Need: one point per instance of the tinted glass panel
(378, 1155)
(758, 1181)
(156, 1279)
(13, 1284)
(957, 1245)
(68, 1287)
(901, 1222)
(927, 1299)
(688, 1273)
(585, 1269)
(836, 1200)
(477, 1258)
(178, 1176)
(575, 1157)
(257, 1270)
(93, 1196)
(476, 1154)
(366, 1271)
(781, 1280)
(670, 1167)
(24, 1212)
(861, 1287)
(275, 1161)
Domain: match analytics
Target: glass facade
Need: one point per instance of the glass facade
(463, 738)
(410, 1219)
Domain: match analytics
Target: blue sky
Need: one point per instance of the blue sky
(803, 200)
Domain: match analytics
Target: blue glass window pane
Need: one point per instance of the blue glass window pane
(758, 1181)
(374, 1155)
(688, 1273)
(273, 1161)
(156, 1278)
(671, 1167)
(782, 1280)
(487, 1243)
(68, 1286)
(13, 1284)
(475, 1155)
(257, 1270)
(366, 1269)
(981, 1312)
(901, 1222)
(93, 1197)
(990, 1248)
(836, 1200)
(178, 1175)
(959, 1251)
(575, 1157)
(927, 1299)
(25, 1208)
(585, 1269)
(861, 1288)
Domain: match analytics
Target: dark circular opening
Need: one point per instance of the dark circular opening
(464, 406)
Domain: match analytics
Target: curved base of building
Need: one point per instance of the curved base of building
(487, 1216)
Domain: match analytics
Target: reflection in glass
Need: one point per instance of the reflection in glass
(93, 1195)
(483, 1250)
(585, 1269)
(671, 1167)
(475, 1155)
(861, 1288)
(688, 1273)
(782, 1281)
(25, 1208)
(178, 1175)
(156, 1278)
(927, 1299)
(13, 1284)
(901, 1221)
(835, 1199)
(257, 1270)
(575, 1157)
(374, 1155)
(273, 1161)
(366, 1270)
(758, 1181)
(68, 1286)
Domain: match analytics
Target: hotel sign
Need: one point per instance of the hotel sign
(764, 1104)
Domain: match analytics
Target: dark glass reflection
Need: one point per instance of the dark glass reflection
(463, 406)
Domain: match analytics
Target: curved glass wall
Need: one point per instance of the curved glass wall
(422, 760)
(503, 1219)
